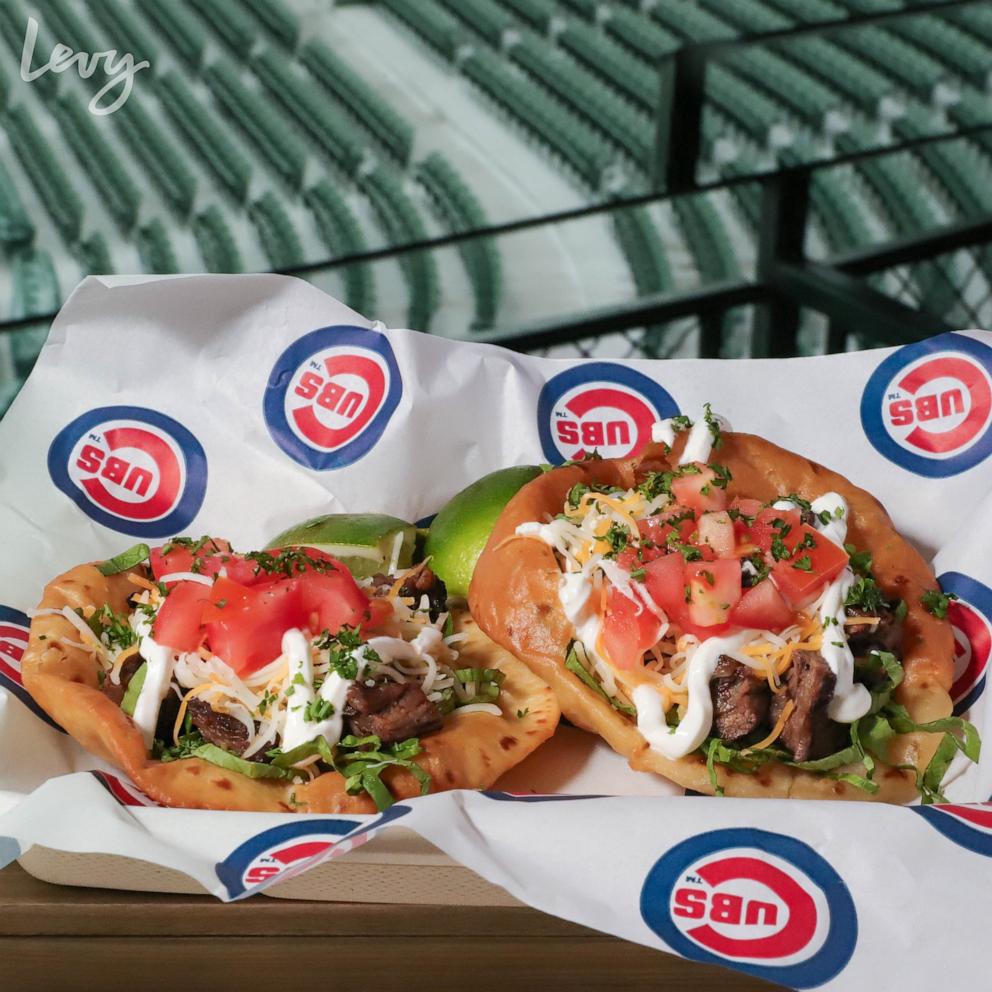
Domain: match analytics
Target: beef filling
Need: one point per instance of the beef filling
(740, 700)
(422, 583)
(808, 733)
(116, 692)
(221, 729)
(886, 635)
(392, 711)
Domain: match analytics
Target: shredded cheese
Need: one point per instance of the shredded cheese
(777, 729)
(115, 671)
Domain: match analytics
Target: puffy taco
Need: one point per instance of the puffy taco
(732, 616)
(272, 681)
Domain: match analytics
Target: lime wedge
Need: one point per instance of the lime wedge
(460, 531)
(366, 542)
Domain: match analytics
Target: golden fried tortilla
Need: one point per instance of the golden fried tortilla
(514, 598)
(471, 751)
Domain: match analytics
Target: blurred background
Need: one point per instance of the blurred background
(621, 178)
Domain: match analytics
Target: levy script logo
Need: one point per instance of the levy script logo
(119, 69)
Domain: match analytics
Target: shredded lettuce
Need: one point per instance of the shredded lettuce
(362, 760)
(125, 560)
(576, 667)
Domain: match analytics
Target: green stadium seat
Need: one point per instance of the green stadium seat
(643, 37)
(460, 211)
(586, 97)
(755, 114)
(126, 30)
(863, 7)
(751, 16)
(69, 28)
(36, 292)
(403, 225)
(810, 11)
(329, 127)
(93, 254)
(431, 22)
(105, 170)
(43, 169)
(963, 172)
(643, 249)
(264, 124)
(582, 8)
(218, 249)
(907, 64)
(536, 14)
(279, 20)
(181, 28)
(578, 147)
(13, 18)
(836, 203)
(368, 108)
(15, 225)
(162, 160)
(276, 232)
(206, 135)
(693, 23)
(230, 22)
(612, 63)
(485, 17)
(342, 233)
(155, 248)
(9, 389)
(960, 52)
(707, 238)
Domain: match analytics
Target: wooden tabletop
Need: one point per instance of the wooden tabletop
(57, 937)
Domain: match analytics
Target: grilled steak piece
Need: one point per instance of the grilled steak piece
(886, 635)
(741, 700)
(808, 733)
(392, 711)
(221, 729)
(422, 583)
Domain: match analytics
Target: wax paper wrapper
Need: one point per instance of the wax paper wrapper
(239, 405)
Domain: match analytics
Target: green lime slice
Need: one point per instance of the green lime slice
(366, 542)
(460, 531)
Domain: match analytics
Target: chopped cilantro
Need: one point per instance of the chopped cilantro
(714, 426)
(723, 476)
(522, 713)
(780, 550)
(708, 576)
(860, 560)
(637, 574)
(617, 537)
(111, 628)
(289, 562)
(808, 541)
(866, 595)
(804, 564)
(936, 602)
(317, 710)
(688, 593)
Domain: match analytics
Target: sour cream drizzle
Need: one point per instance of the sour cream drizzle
(159, 663)
(677, 742)
(850, 700)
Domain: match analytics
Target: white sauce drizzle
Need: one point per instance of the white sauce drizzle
(677, 742)
(574, 594)
(159, 663)
(663, 432)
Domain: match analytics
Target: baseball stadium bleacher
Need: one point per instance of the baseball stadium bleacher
(257, 140)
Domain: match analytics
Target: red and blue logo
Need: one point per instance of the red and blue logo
(601, 407)
(928, 406)
(123, 790)
(761, 902)
(15, 629)
(968, 826)
(970, 616)
(131, 469)
(331, 394)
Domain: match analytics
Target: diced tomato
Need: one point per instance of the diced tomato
(771, 523)
(699, 490)
(379, 611)
(763, 608)
(657, 529)
(664, 580)
(749, 507)
(251, 621)
(177, 623)
(332, 600)
(629, 629)
(714, 590)
(716, 531)
(814, 560)
(215, 555)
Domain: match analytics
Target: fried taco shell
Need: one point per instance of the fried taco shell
(514, 598)
(471, 750)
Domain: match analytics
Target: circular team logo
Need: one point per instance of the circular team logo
(331, 394)
(969, 827)
(601, 407)
(760, 902)
(971, 621)
(15, 629)
(131, 469)
(928, 406)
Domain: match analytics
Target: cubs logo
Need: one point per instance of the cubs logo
(599, 407)
(928, 406)
(125, 792)
(761, 902)
(969, 826)
(970, 616)
(15, 629)
(131, 469)
(331, 394)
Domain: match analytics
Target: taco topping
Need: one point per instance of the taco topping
(280, 664)
(731, 626)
